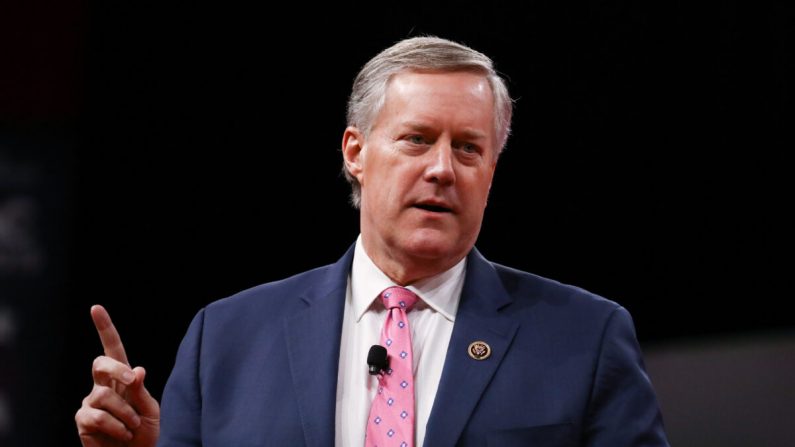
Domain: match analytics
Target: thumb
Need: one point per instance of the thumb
(139, 397)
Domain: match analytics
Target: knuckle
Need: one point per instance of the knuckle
(102, 393)
(86, 418)
(97, 419)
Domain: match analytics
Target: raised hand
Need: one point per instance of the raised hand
(119, 411)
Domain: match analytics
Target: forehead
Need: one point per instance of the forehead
(459, 97)
(467, 85)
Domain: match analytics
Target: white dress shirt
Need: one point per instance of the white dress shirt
(431, 322)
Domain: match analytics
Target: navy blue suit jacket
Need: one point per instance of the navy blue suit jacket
(260, 368)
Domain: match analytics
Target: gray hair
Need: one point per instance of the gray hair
(422, 54)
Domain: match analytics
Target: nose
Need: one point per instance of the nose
(440, 166)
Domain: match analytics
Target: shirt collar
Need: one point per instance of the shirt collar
(441, 292)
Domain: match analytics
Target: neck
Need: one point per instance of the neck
(404, 269)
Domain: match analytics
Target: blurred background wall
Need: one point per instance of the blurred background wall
(156, 156)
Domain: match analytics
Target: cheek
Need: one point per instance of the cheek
(386, 191)
(478, 187)
(476, 200)
(397, 180)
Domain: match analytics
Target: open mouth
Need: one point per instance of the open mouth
(433, 208)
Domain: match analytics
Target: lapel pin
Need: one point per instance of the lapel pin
(479, 350)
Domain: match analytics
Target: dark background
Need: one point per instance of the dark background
(156, 156)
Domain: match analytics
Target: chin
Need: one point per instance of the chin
(433, 246)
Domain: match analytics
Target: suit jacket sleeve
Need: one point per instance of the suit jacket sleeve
(623, 409)
(182, 402)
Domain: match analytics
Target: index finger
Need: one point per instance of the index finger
(111, 342)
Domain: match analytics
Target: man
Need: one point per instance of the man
(481, 355)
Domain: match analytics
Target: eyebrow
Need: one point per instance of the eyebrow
(415, 125)
(466, 133)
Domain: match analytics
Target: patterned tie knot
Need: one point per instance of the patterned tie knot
(399, 297)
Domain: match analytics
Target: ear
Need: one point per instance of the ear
(353, 151)
(491, 174)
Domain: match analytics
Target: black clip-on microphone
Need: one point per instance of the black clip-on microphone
(377, 359)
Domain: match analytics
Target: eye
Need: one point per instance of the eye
(469, 148)
(416, 139)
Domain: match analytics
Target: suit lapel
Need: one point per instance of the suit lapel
(464, 379)
(313, 342)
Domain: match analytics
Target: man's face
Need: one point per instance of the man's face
(425, 171)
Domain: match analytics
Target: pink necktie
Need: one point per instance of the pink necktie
(391, 421)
